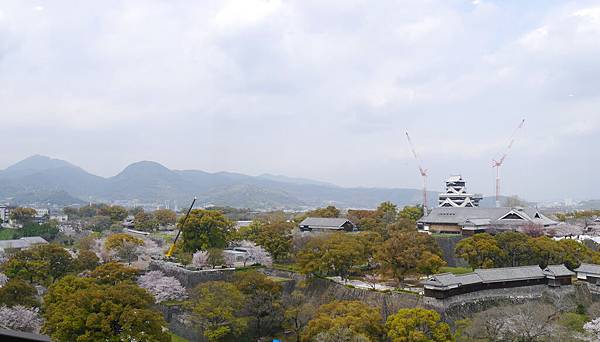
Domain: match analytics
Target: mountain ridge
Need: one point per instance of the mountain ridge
(150, 181)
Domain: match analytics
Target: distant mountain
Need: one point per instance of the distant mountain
(57, 181)
(285, 179)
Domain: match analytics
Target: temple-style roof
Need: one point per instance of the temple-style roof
(588, 268)
(324, 222)
(445, 281)
(477, 215)
(494, 275)
(558, 271)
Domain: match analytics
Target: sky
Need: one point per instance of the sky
(317, 89)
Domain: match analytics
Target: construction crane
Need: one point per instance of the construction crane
(181, 225)
(422, 171)
(498, 163)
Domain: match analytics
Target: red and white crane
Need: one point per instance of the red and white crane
(422, 171)
(498, 163)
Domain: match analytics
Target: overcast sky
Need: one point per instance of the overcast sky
(316, 89)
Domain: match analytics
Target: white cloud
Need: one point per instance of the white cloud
(257, 85)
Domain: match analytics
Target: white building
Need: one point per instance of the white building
(456, 194)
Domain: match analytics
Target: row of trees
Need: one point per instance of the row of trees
(517, 249)
(252, 305)
(101, 217)
(578, 214)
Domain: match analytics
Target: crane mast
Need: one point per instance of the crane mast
(181, 225)
(498, 163)
(422, 171)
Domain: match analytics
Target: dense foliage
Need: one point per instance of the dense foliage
(89, 309)
(517, 249)
(206, 229)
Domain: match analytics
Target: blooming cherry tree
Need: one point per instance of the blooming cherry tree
(20, 318)
(162, 287)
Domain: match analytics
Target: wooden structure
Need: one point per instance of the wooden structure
(558, 275)
(446, 285)
(326, 224)
(472, 220)
(589, 273)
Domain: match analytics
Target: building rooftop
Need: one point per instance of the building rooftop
(324, 222)
(558, 271)
(24, 242)
(494, 275)
(588, 268)
(499, 216)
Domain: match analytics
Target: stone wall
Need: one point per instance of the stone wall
(320, 291)
(447, 245)
(190, 278)
(466, 305)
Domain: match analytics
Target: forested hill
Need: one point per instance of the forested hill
(60, 182)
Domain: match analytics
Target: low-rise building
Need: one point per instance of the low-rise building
(445, 285)
(468, 221)
(21, 243)
(326, 224)
(589, 273)
(558, 275)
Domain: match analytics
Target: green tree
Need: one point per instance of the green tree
(387, 212)
(480, 250)
(546, 251)
(405, 253)
(41, 264)
(411, 213)
(263, 303)
(417, 325)
(80, 309)
(112, 273)
(216, 307)
(333, 254)
(48, 231)
(298, 311)
(116, 212)
(574, 253)
(276, 239)
(249, 232)
(145, 221)
(22, 215)
(165, 217)
(18, 292)
(516, 247)
(215, 257)
(125, 245)
(341, 334)
(205, 229)
(99, 223)
(329, 211)
(360, 318)
(429, 263)
(86, 261)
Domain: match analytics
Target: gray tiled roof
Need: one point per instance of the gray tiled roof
(325, 222)
(558, 271)
(22, 242)
(453, 215)
(34, 239)
(588, 268)
(14, 244)
(492, 275)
